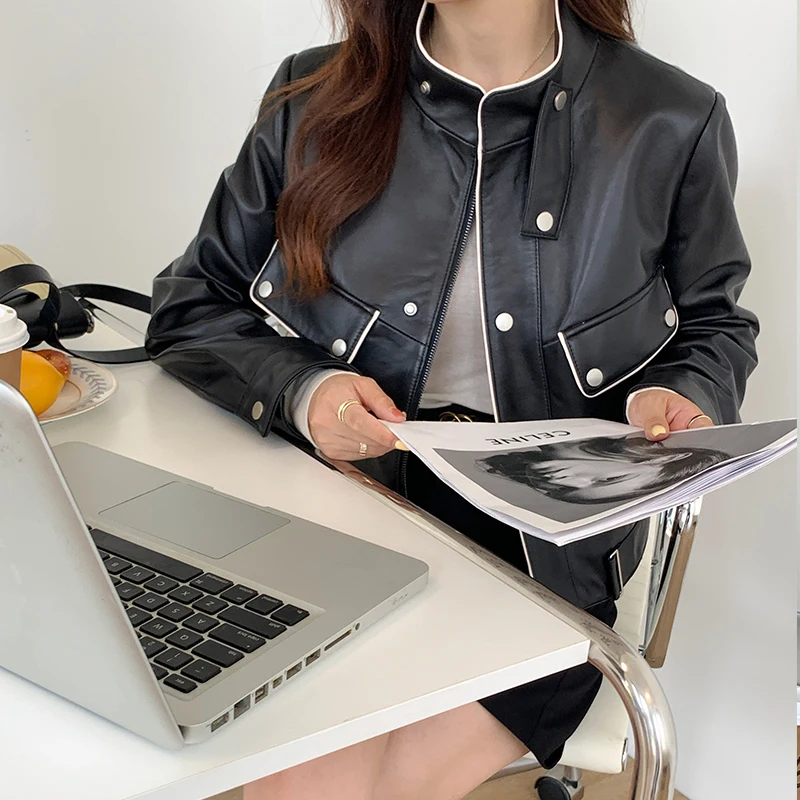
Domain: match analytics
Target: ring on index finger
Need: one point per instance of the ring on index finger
(362, 449)
(699, 417)
(343, 408)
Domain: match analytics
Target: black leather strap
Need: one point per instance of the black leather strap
(110, 294)
(42, 315)
(107, 294)
(15, 281)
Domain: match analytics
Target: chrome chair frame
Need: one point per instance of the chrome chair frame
(626, 666)
(675, 529)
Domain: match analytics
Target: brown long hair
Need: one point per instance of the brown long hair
(351, 124)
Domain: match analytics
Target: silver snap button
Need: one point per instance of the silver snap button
(265, 289)
(504, 322)
(670, 318)
(425, 87)
(410, 309)
(560, 101)
(339, 347)
(544, 222)
(594, 377)
(257, 410)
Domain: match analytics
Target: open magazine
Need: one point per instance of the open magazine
(564, 480)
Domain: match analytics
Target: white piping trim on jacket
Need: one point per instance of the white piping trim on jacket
(255, 298)
(479, 261)
(360, 341)
(263, 267)
(527, 555)
(254, 294)
(461, 78)
(573, 368)
(291, 331)
(478, 240)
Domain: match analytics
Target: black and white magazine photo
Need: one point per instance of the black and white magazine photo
(564, 480)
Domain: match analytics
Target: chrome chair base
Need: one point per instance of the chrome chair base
(560, 783)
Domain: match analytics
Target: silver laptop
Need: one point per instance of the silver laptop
(162, 605)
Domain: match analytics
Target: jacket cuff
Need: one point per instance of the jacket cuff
(263, 396)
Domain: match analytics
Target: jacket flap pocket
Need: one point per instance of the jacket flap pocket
(610, 347)
(335, 321)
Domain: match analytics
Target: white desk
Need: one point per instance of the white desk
(463, 638)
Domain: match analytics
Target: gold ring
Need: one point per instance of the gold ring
(362, 449)
(344, 406)
(699, 416)
(451, 416)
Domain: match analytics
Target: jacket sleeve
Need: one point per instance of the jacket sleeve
(706, 262)
(205, 330)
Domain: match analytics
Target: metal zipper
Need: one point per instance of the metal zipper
(471, 216)
(473, 210)
(448, 294)
(438, 330)
(474, 207)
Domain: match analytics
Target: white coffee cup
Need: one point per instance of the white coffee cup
(13, 337)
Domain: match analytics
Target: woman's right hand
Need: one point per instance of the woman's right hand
(342, 440)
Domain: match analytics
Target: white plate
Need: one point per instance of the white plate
(89, 386)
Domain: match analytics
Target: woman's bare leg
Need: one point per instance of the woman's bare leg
(348, 774)
(441, 758)
(447, 756)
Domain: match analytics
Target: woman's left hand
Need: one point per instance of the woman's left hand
(660, 413)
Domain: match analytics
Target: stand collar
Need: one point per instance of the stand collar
(509, 112)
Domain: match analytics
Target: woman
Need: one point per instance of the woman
(495, 208)
(603, 469)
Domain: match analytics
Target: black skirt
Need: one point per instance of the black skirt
(542, 714)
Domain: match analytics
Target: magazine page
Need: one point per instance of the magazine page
(563, 480)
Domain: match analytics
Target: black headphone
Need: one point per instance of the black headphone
(66, 312)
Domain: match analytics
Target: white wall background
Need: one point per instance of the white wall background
(730, 675)
(116, 118)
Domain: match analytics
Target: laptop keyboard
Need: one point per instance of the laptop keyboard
(191, 624)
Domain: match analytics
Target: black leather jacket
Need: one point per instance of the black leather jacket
(603, 196)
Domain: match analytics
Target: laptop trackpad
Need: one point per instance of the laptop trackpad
(195, 518)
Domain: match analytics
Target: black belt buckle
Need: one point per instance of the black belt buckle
(614, 571)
